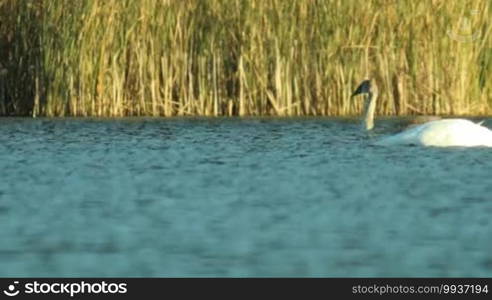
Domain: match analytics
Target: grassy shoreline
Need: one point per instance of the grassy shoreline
(113, 58)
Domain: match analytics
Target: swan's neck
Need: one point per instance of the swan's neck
(369, 109)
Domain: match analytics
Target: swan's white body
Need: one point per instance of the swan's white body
(440, 133)
(443, 133)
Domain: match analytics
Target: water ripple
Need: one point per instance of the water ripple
(237, 197)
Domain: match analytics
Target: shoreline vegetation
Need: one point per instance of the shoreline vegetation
(114, 58)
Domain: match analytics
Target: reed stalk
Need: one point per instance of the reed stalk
(117, 58)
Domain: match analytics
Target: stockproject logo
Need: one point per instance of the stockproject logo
(11, 290)
(64, 288)
(464, 31)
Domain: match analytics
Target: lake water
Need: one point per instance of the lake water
(237, 197)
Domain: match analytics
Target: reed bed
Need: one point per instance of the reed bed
(243, 57)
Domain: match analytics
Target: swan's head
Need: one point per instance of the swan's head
(365, 87)
(370, 101)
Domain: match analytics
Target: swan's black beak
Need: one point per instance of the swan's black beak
(364, 87)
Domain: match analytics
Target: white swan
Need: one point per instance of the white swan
(440, 133)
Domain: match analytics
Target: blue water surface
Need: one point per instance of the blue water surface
(237, 197)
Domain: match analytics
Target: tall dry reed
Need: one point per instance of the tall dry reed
(242, 57)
